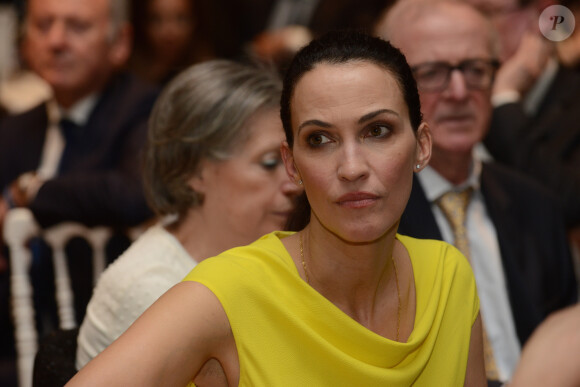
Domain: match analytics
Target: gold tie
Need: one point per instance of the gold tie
(454, 205)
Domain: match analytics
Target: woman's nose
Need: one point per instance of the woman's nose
(352, 164)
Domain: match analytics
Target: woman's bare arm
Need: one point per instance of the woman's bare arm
(475, 374)
(168, 344)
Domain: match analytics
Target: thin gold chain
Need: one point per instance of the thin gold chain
(398, 297)
(396, 281)
(303, 262)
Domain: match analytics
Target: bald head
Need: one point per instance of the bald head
(408, 16)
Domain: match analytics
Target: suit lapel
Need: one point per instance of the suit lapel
(501, 211)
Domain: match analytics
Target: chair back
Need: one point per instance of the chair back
(19, 228)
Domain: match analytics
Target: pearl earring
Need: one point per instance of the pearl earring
(300, 181)
(418, 166)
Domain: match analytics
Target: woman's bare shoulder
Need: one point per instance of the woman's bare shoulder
(171, 342)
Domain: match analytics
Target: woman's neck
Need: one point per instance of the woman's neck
(353, 276)
(198, 237)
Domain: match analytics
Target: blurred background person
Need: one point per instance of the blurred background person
(536, 101)
(213, 165)
(569, 49)
(20, 88)
(550, 358)
(276, 48)
(231, 25)
(167, 38)
(510, 227)
(76, 157)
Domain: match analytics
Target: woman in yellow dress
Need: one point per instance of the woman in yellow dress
(346, 301)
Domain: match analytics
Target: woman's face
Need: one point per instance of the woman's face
(250, 194)
(170, 26)
(354, 148)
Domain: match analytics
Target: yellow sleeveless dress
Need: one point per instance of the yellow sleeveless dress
(288, 334)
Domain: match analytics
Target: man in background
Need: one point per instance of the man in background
(508, 226)
(77, 156)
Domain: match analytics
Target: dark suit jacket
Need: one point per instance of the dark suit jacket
(534, 250)
(102, 181)
(545, 146)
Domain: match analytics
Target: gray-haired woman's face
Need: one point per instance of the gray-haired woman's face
(250, 194)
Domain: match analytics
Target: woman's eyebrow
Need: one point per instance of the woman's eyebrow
(314, 122)
(371, 115)
(366, 117)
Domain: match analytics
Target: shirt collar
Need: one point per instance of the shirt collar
(436, 185)
(79, 113)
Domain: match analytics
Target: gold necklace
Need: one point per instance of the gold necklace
(303, 263)
(396, 281)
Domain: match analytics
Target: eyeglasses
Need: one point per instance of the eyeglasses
(434, 76)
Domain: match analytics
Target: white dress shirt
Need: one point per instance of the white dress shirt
(54, 142)
(486, 262)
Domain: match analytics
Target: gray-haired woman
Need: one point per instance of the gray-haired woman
(213, 167)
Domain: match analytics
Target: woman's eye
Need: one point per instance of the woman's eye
(270, 163)
(379, 131)
(317, 139)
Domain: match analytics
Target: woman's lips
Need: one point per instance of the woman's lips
(357, 200)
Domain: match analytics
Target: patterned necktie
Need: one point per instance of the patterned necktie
(454, 206)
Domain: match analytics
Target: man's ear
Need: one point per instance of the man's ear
(288, 158)
(121, 46)
(424, 144)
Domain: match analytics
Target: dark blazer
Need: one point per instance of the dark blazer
(101, 183)
(534, 250)
(546, 145)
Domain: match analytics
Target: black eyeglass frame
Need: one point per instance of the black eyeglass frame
(492, 65)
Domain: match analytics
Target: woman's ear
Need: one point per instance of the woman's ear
(198, 182)
(424, 143)
(288, 158)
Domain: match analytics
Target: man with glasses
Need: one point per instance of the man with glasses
(508, 227)
(435, 76)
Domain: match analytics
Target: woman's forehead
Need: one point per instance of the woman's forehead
(331, 83)
(335, 94)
